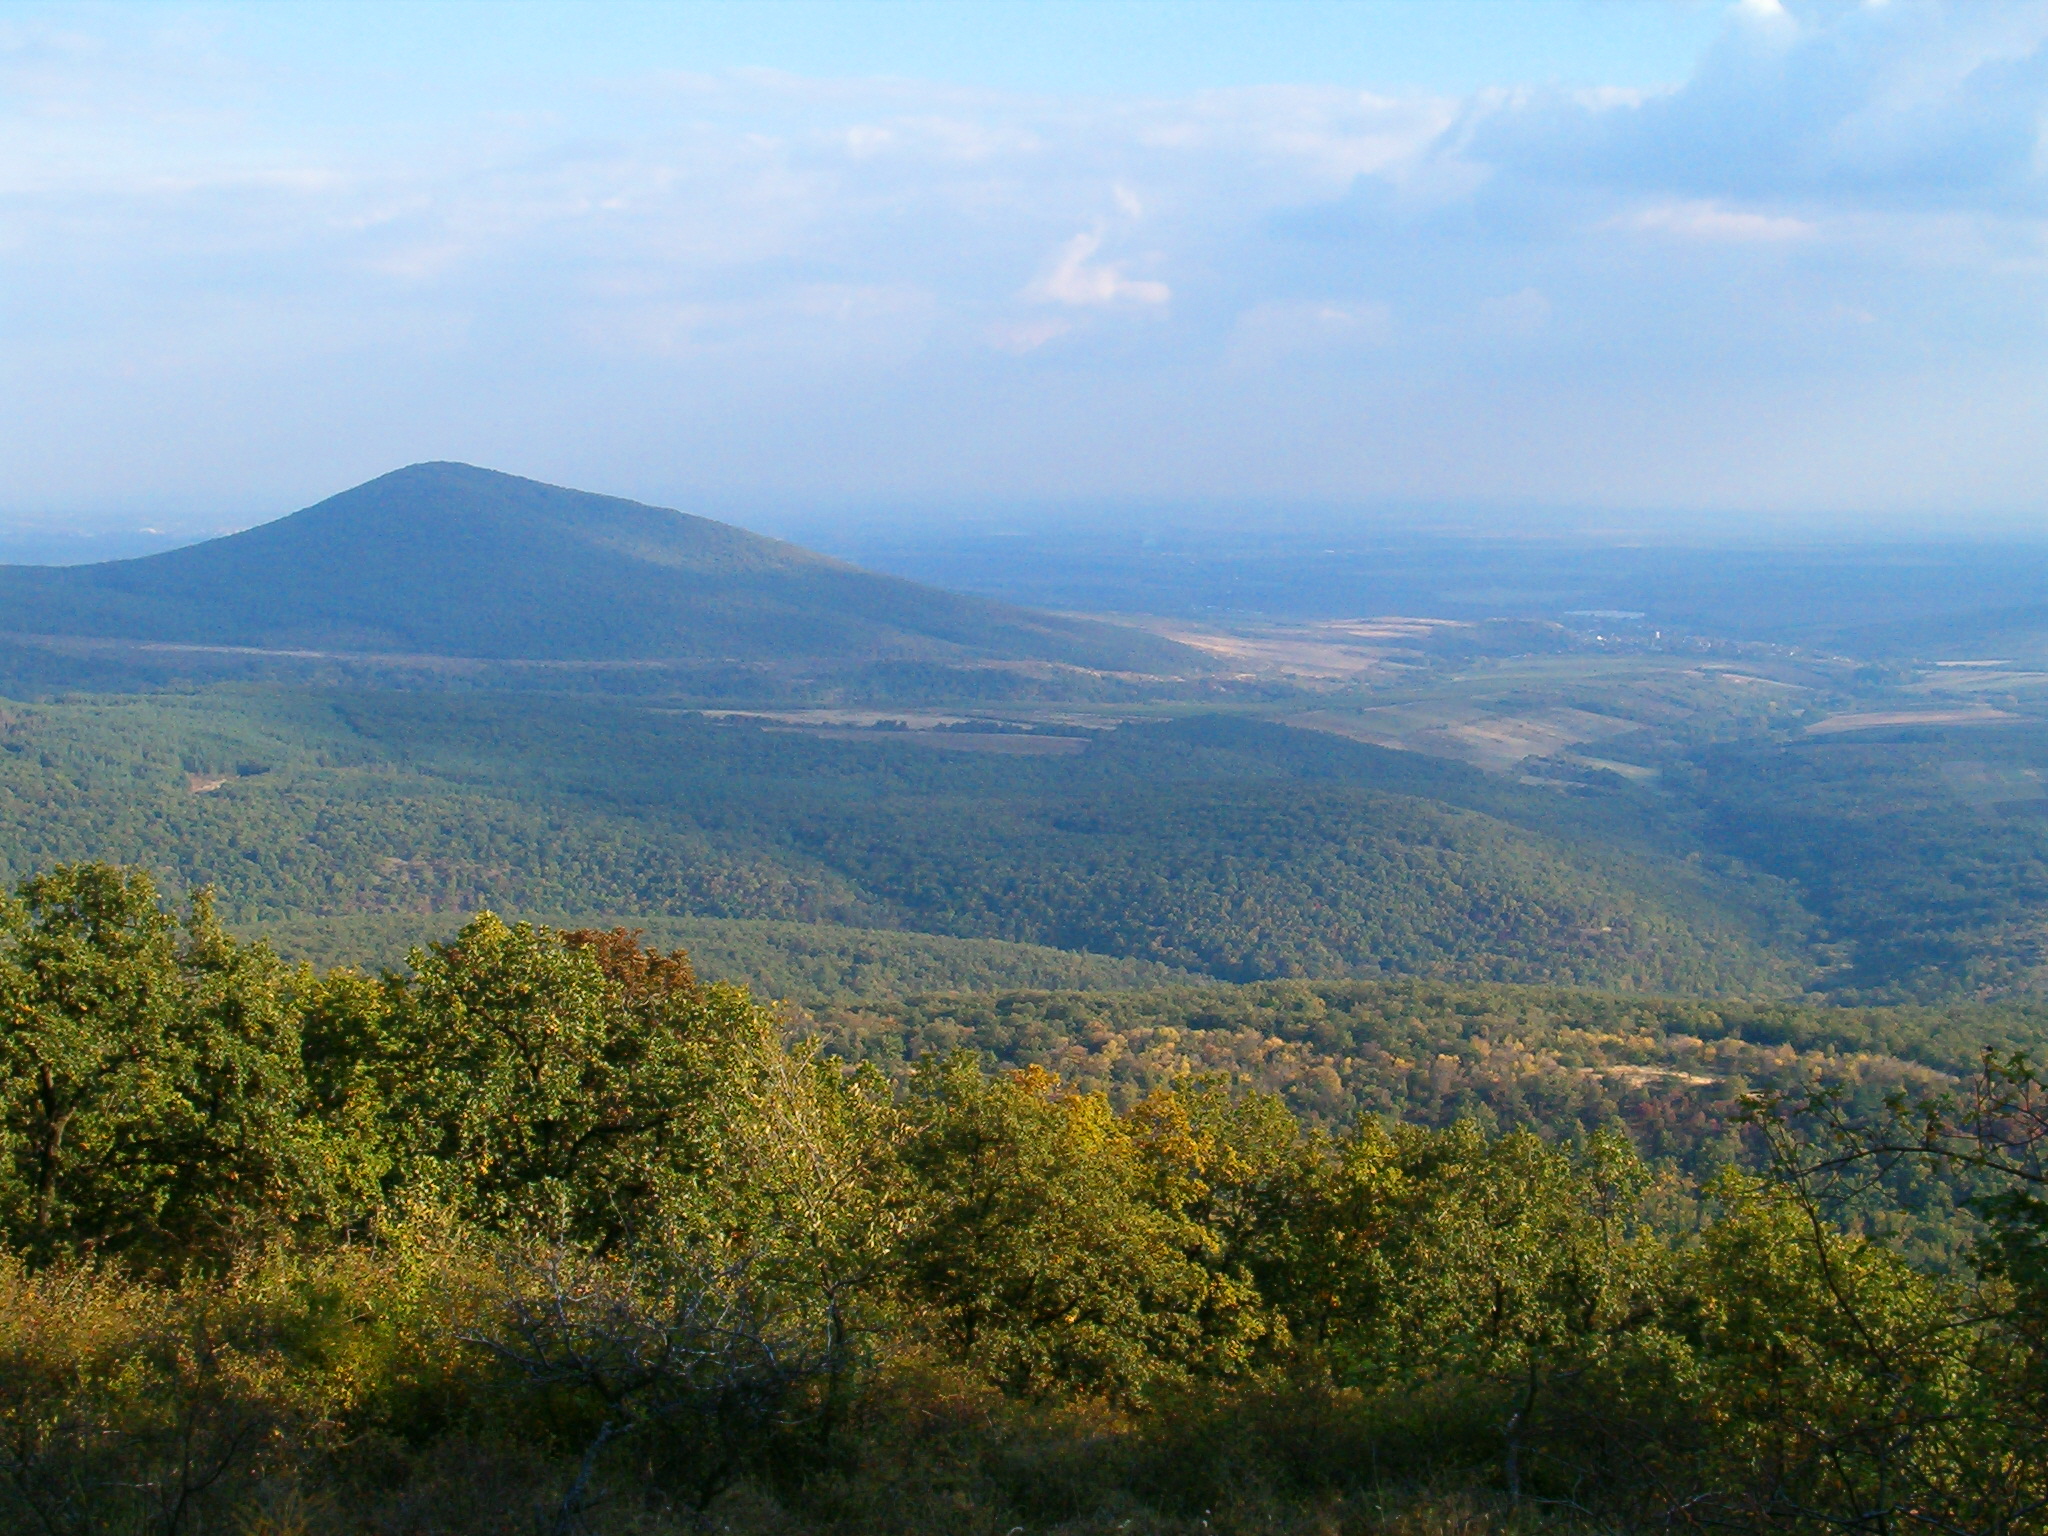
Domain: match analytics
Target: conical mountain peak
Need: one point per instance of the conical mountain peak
(450, 559)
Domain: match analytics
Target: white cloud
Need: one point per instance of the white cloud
(1073, 278)
(864, 139)
(1021, 336)
(804, 322)
(1276, 333)
(686, 274)
(1309, 138)
(935, 137)
(1710, 221)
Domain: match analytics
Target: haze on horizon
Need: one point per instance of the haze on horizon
(1753, 260)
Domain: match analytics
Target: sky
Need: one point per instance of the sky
(1751, 259)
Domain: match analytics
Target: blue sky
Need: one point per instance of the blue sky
(1754, 259)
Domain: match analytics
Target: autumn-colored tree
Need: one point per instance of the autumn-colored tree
(1046, 1255)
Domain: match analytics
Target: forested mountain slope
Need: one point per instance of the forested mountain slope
(1924, 853)
(451, 560)
(1210, 845)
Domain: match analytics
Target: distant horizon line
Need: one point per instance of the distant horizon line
(83, 538)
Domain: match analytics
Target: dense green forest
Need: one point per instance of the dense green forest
(1880, 866)
(1214, 845)
(1539, 1057)
(540, 1231)
(1924, 852)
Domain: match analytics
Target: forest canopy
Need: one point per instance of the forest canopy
(544, 1229)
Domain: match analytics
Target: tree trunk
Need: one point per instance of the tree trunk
(1511, 1432)
(51, 1152)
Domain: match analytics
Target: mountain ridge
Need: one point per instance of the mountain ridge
(449, 559)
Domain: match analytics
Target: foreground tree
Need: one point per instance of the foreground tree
(1048, 1253)
(153, 1098)
(1511, 1275)
(569, 1083)
(1913, 1398)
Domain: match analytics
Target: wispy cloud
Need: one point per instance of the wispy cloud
(664, 281)
(1075, 277)
(1710, 221)
(1330, 329)
(1022, 336)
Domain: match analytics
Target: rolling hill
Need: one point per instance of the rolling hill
(450, 560)
(1209, 845)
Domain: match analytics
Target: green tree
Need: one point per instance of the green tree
(569, 1082)
(1914, 1395)
(1506, 1265)
(154, 1097)
(1838, 1388)
(1229, 1167)
(1046, 1256)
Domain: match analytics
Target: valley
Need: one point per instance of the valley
(1226, 953)
(1499, 798)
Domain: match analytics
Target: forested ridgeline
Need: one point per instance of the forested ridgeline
(1748, 856)
(542, 1232)
(1923, 852)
